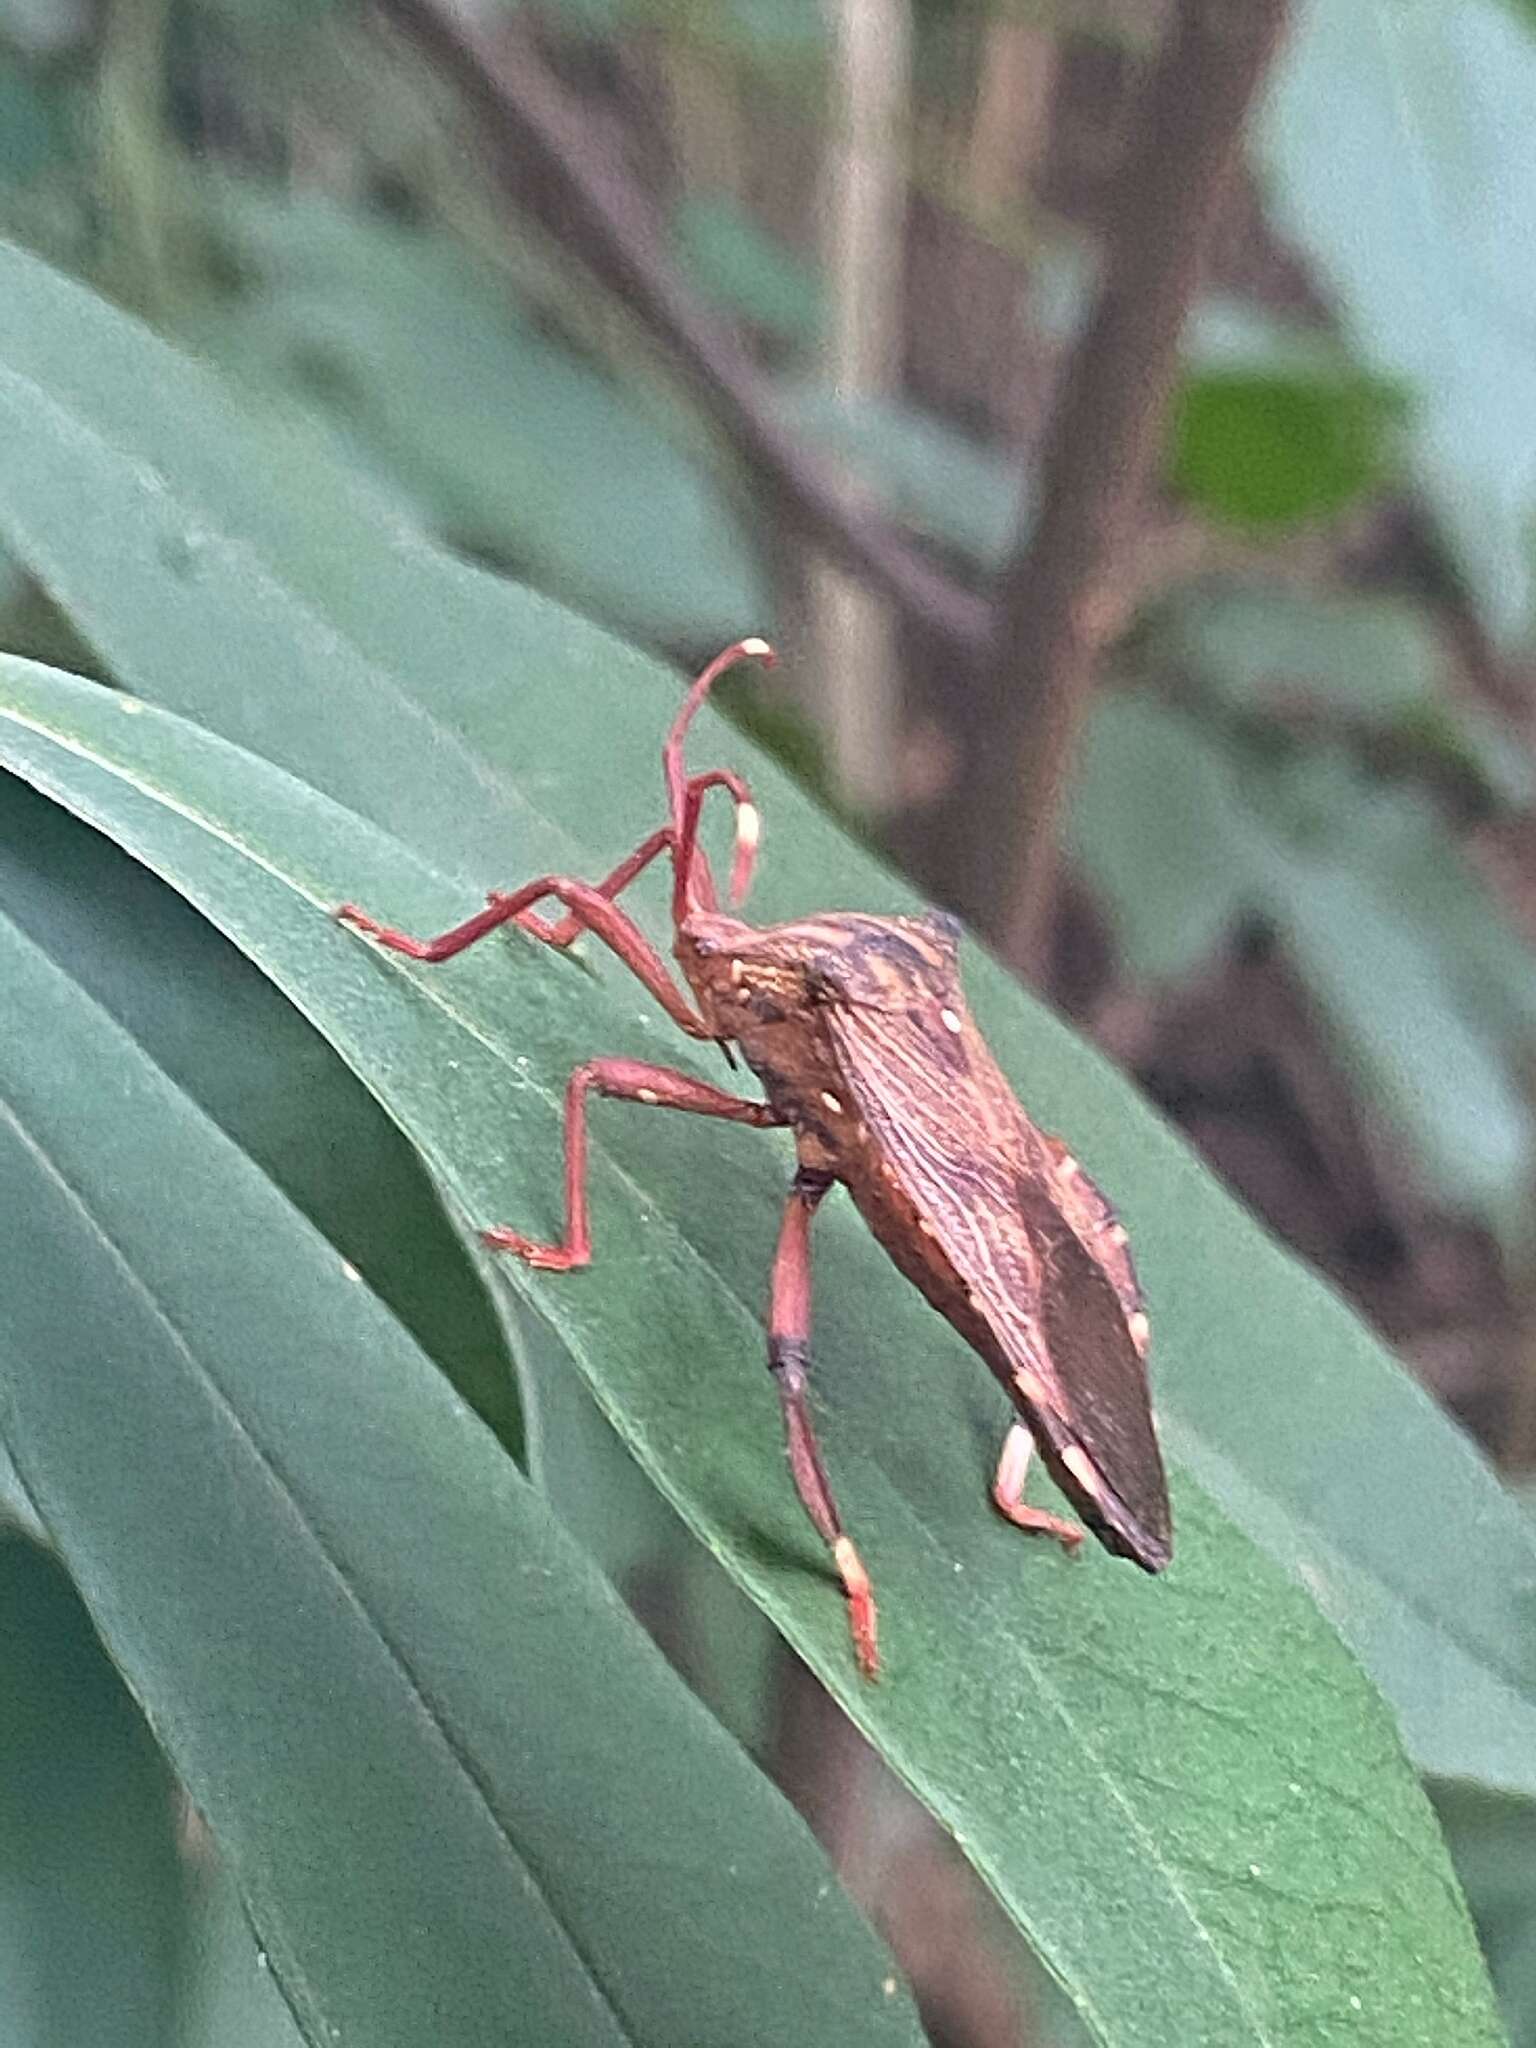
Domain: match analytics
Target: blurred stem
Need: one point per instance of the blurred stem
(136, 168)
(1059, 598)
(1015, 81)
(863, 207)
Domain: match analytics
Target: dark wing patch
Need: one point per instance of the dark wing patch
(1087, 1209)
(984, 1181)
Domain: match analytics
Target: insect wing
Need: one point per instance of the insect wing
(985, 1183)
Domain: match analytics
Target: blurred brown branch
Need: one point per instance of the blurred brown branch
(1058, 600)
(554, 163)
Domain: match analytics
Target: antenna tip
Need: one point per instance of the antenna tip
(758, 650)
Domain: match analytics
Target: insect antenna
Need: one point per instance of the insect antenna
(693, 883)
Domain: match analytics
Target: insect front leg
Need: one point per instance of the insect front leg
(565, 931)
(594, 912)
(628, 1081)
(1008, 1492)
(789, 1358)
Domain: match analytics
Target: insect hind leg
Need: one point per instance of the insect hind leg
(1008, 1492)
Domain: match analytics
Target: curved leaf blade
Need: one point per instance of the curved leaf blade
(227, 1038)
(91, 1888)
(277, 600)
(1184, 1791)
(385, 1675)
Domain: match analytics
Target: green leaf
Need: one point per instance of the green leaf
(90, 1888)
(1429, 1066)
(1493, 1843)
(1427, 988)
(1370, 662)
(710, 1631)
(35, 121)
(1253, 646)
(1153, 1755)
(18, 1511)
(246, 1057)
(1270, 452)
(229, 1998)
(464, 1798)
(499, 737)
(1399, 152)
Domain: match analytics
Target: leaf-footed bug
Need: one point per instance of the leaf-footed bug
(858, 1030)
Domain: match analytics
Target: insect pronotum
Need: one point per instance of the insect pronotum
(858, 1030)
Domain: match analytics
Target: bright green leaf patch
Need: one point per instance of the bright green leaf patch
(1272, 452)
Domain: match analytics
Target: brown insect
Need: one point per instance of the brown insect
(858, 1030)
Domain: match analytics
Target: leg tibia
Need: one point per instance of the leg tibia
(1008, 1492)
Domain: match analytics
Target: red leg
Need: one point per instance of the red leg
(628, 1081)
(590, 906)
(1008, 1491)
(568, 929)
(789, 1357)
(563, 931)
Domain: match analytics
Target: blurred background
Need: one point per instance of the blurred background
(1122, 417)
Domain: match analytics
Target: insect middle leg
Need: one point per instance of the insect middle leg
(789, 1358)
(628, 1081)
(564, 931)
(1008, 1491)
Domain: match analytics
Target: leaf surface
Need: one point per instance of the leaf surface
(1183, 1790)
(466, 1800)
(91, 1891)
